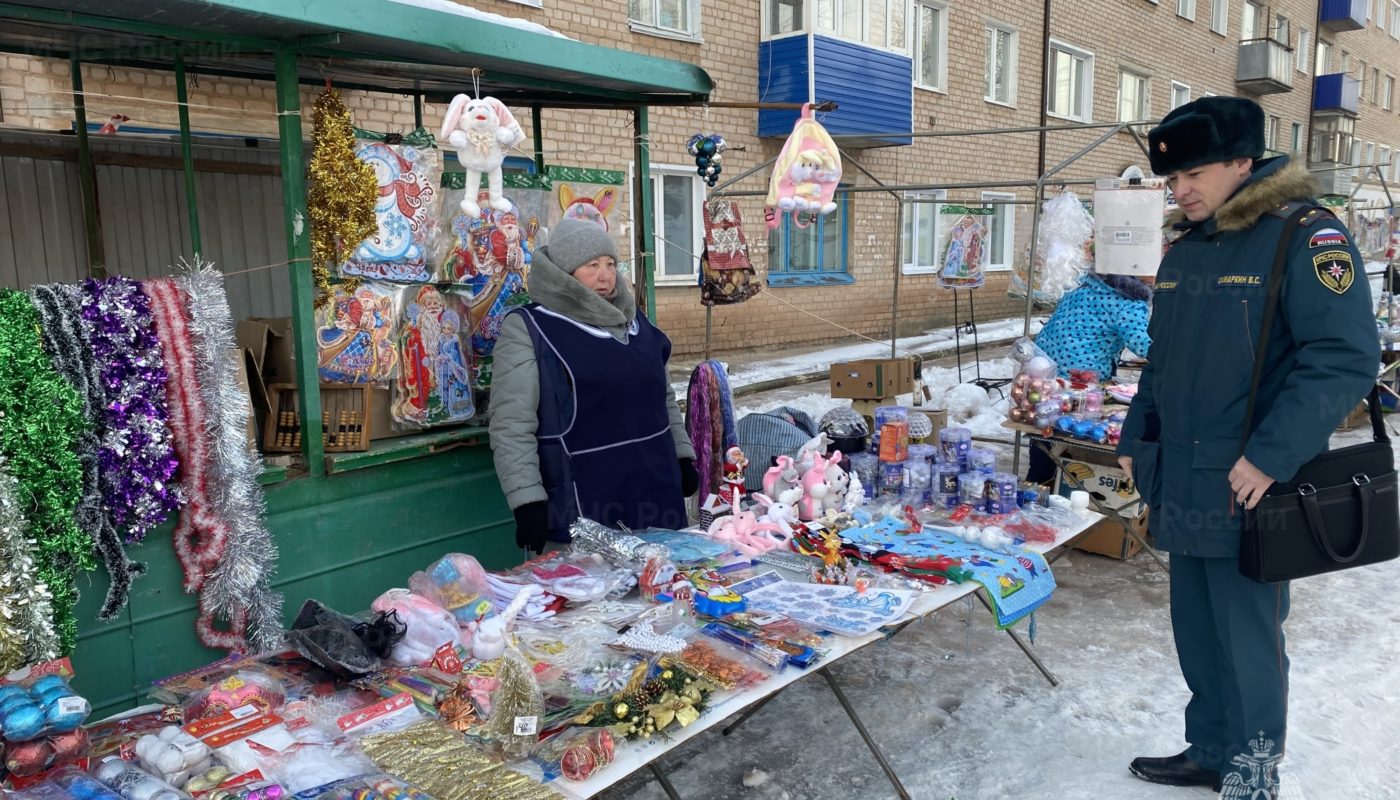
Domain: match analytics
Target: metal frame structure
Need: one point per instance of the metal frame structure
(426, 53)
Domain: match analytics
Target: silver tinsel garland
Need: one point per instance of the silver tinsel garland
(242, 580)
(60, 320)
(618, 547)
(26, 616)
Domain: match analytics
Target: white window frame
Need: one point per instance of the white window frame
(655, 29)
(1246, 34)
(697, 236)
(530, 3)
(1013, 55)
(1383, 158)
(1303, 44)
(1220, 17)
(1368, 155)
(1186, 9)
(766, 29)
(912, 27)
(907, 262)
(1295, 137)
(1281, 29)
(1271, 128)
(1179, 86)
(839, 11)
(1394, 27)
(1008, 234)
(1387, 91)
(1144, 104)
(1086, 90)
(1323, 50)
(1375, 85)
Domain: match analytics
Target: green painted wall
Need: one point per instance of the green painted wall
(342, 539)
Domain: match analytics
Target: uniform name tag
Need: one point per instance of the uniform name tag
(1240, 280)
(1164, 286)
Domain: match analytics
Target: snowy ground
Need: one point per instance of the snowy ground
(962, 714)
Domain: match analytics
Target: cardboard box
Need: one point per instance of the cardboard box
(1108, 538)
(381, 422)
(1098, 473)
(872, 379)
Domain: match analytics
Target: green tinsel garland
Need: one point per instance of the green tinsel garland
(40, 419)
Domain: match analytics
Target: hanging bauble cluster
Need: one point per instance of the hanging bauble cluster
(708, 149)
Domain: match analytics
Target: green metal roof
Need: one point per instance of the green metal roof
(371, 44)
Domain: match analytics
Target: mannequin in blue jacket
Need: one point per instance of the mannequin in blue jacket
(1181, 439)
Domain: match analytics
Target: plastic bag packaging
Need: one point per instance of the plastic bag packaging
(46, 706)
(409, 172)
(575, 754)
(517, 708)
(1063, 247)
(380, 786)
(456, 582)
(308, 766)
(245, 687)
(579, 578)
(134, 783)
(723, 664)
(173, 755)
(429, 626)
(340, 644)
(81, 786)
(36, 755)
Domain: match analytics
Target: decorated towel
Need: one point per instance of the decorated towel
(1017, 582)
(408, 169)
(355, 335)
(966, 256)
(488, 258)
(726, 274)
(434, 386)
(686, 548)
(839, 609)
(595, 195)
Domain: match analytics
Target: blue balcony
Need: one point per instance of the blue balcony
(1336, 93)
(1342, 15)
(873, 88)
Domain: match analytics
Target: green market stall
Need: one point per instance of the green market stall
(341, 522)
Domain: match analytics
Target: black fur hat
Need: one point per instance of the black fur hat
(1206, 131)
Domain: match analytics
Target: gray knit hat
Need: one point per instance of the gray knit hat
(575, 242)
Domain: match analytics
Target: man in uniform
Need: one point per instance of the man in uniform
(1181, 439)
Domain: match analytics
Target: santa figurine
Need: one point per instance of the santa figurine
(733, 479)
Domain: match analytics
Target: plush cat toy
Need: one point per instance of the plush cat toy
(481, 130)
(806, 173)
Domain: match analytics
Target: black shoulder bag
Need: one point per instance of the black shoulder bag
(1341, 509)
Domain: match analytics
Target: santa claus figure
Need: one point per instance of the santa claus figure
(734, 464)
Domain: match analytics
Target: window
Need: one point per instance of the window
(1001, 240)
(812, 255)
(879, 23)
(1186, 8)
(1375, 84)
(1282, 30)
(1383, 159)
(1271, 133)
(1001, 65)
(1345, 63)
(680, 232)
(1303, 36)
(1369, 6)
(919, 241)
(1133, 102)
(1361, 76)
(1369, 155)
(1387, 92)
(1220, 16)
(1295, 142)
(1323, 64)
(665, 17)
(1071, 82)
(1395, 19)
(1181, 95)
(930, 46)
(784, 16)
(1252, 23)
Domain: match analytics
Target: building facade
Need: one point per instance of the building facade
(1324, 71)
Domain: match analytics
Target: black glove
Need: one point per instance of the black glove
(690, 478)
(532, 525)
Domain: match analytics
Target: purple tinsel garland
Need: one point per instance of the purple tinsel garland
(136, 458)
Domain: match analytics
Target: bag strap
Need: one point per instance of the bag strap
(1313, 511)
(1275, 291)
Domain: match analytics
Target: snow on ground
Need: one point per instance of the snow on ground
(450, 7)
(961, 714)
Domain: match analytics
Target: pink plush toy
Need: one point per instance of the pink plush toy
(814, 491)
(744, 533)
(806, 173)
(837, 481)
(779, 479)
(429, 626)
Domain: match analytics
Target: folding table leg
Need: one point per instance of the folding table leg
(864, 734)
(1025, 648)
(664, 781)
(749, 712)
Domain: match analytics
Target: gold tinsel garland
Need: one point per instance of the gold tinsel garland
(438, 760)
(343, 191)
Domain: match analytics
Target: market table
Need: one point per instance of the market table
(633, 756)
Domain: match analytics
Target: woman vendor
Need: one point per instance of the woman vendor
(583, 418)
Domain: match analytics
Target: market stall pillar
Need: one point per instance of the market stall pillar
(299, 254)
(87, 174)
(646, 239)
(182, 95)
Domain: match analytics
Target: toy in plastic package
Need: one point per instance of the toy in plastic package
(245, 687)
(574, 754)
(134, 783)
(71, 783)
(308, 766)
(173, 755)
(23, 759)
(722, 664)
(45, 706)
(112, 734)
(379, 786)
(456, 582)
(578, 578)
(428, 626)
(774, 657)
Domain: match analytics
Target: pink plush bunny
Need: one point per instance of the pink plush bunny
(814, 491)
(481, 130)
(838, 481)
(744, 533)
(780, 478)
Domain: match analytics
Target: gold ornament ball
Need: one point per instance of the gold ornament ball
(668, 675)
(620, 711)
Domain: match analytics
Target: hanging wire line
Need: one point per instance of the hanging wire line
(87, 93)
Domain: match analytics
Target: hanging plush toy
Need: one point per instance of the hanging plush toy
(806, 174)
(708, 150)
(481, 130)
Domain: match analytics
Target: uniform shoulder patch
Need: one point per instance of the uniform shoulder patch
(1335, 270)
(1328, 237)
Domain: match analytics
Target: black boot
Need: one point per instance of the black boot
(1175, 770)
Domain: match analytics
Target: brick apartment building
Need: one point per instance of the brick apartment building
(1324, 71)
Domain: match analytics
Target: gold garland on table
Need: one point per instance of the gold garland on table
(439, 761)
(342, 195)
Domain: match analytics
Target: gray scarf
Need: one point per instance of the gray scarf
(560, 292)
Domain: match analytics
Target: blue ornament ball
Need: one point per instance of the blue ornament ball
(23, 722)
(1065, 424)
(10, 690)
(48, 683)
(85, 788)
(15, 701)
(1082, 428)
(61, 722)
(706, 147)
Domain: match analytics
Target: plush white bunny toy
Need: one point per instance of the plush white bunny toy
(481, 130)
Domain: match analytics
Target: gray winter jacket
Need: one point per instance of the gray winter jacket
(515, 380)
